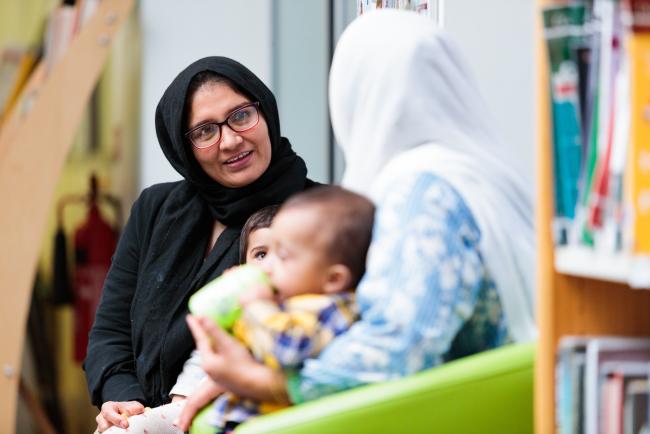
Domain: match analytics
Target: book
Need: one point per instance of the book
(608, 115)
(612, 404)
(600, 350)
(607, 211)
(563, 27)
(639, 47)
(635, 407)
(584, 234)
(615, 377)
(569, 384)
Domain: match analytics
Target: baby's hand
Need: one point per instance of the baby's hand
(256, 293)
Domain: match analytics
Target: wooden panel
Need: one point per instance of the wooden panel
(546, 301)
(32, 154)
(584, 306)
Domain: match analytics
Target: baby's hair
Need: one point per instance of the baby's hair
(258, 220)
(347, 219)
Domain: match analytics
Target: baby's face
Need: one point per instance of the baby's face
(296, 262)
(259, 241)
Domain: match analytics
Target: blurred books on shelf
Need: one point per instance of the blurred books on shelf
(430, 8)
(602, 385)
(599, 84)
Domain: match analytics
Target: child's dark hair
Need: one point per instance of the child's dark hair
(349, 217)
(258, 220)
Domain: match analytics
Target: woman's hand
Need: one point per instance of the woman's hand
(116, 414)
(230, 364)
(207, 391)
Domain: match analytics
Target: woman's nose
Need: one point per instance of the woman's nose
(229, 139)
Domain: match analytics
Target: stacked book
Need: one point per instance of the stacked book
(602, 385)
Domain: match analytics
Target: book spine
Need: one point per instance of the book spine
(563, 30)
(640, 125)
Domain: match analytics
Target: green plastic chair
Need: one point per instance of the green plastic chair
(491, 392)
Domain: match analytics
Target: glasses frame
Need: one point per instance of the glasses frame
(225, 122)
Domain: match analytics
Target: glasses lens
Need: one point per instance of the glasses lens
(206, 135)
(243, 119)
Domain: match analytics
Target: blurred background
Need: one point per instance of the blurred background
(115, 154)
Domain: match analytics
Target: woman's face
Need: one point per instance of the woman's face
(238, 159)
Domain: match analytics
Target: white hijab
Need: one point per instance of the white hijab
(402, 100)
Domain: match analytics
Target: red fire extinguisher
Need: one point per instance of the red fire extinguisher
(94, 243)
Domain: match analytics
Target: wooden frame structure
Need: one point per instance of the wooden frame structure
(33, 147)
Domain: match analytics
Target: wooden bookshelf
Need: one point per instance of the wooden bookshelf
(584, 262)
(34, 143)
(568, 304)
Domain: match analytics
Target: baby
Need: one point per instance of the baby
(316, 256)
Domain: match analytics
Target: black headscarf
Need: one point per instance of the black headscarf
(286, 173)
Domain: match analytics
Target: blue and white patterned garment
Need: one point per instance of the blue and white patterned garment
(426, 297)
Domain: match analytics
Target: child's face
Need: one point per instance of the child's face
(259, 241)
(296, 262)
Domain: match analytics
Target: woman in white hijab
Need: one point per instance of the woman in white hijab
(450, 269)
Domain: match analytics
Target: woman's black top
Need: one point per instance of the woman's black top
(134, 313)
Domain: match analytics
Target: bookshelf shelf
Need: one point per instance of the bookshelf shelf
(578, 293)
(34, 143)
(619, 268)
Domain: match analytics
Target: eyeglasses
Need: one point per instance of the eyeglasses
(240, 120)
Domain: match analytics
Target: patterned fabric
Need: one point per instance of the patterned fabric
(426, 297)
(283, 336)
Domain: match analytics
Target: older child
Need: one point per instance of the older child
(319, 240)
(255, 236)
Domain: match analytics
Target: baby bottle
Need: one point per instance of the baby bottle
(219, 299)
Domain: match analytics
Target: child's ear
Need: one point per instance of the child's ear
(339, 278)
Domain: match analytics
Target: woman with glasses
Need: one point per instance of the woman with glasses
(218, 126)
